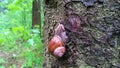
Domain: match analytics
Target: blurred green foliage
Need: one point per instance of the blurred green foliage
(17, 39)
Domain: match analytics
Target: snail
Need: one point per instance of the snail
(56, 45)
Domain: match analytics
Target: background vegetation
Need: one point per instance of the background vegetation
(20, 46)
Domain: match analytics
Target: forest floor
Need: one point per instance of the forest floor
(20, 52)
(8, 59)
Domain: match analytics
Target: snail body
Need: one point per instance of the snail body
(56, 45)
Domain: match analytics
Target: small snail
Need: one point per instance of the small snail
(56, 45)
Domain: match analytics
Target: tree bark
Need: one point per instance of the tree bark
(98, 46)
(35, 12)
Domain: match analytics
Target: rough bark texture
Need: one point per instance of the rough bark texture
(98, 45)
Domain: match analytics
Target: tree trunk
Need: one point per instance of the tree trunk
(99, 44)
(35, 13)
